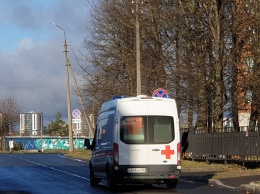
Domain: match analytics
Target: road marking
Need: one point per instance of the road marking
(79, 160)
(52, 168)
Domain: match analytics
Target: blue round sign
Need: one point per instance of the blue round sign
(160, 92)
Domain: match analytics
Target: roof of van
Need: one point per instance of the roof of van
(112, 104)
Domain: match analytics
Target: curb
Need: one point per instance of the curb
(249, 188)
(214, 169)
(215, 182)
(253, 187)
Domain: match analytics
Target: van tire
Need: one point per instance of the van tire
(93, 181)
(172, 184)
(111, 184)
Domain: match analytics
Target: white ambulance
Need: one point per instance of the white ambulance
(137, 140)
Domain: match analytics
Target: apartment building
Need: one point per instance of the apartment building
(30, 123)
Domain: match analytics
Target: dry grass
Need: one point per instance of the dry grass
(80, 154)
(197, 164)
(222, 170)
(236, 173)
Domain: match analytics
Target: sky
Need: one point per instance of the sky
(32, 64)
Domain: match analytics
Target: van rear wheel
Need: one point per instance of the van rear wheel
(110, 182)
(172, 184)
(93, 181)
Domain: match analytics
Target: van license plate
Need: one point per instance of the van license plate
(136, 170)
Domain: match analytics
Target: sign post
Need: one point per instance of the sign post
(76, 115)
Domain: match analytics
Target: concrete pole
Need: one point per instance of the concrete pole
(138, 52)
(68, 88)
(68, 96)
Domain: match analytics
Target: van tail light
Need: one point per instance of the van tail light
(115, 154)
(179, 154)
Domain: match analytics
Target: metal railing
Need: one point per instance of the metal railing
(235, 146)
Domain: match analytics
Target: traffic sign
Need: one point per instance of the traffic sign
(76, 113)
(76, 120)
(160, 92)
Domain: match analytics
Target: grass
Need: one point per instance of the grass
(80, 154)
(222, 170)
(201, 164)
(77, 153)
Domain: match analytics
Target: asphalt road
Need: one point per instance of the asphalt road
(53, 173)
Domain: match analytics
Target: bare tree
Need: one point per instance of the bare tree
(112, 62)
(193, 48)
(252, 34)
(10, 111)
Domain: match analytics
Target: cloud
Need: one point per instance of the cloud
(32, 62)
(34, 74)
(26, 43)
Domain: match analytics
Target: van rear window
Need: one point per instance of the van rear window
(147, 129)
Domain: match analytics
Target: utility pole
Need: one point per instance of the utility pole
(138, 51)
(91, 130)
(68, 88)
(68, 94)
(41, 127)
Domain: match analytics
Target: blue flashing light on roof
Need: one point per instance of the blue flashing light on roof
(118, 97)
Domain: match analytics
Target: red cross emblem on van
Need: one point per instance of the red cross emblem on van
(167, 152)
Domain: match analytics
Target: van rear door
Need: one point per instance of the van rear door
(162, 133)
(147, 135)
(133, 149)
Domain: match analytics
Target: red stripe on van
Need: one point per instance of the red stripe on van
(102, 153)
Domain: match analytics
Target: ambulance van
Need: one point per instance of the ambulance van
(137, 140)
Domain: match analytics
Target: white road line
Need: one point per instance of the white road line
(52, 168)
(79, 160)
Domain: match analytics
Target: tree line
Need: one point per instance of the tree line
(204, 52)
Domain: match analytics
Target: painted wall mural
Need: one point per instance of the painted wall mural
(47, 143)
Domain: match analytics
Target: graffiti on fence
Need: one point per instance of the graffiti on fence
(58, 143)
(53, 143)
(29, 145)
(48, 143)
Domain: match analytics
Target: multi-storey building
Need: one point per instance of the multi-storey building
(245, 67)
(30, 123)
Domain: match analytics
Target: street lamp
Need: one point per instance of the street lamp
(68, 87)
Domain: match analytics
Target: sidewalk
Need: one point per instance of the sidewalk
(246, 182)
(250, 184)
